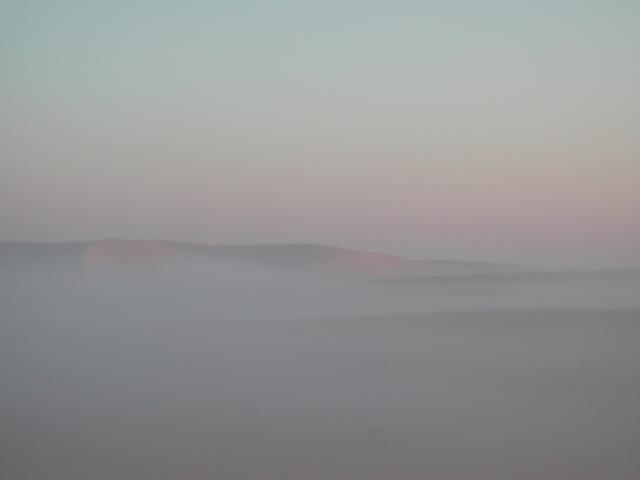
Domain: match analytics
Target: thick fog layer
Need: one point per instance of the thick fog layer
(228, 370)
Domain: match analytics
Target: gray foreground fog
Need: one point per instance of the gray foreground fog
(244, 373)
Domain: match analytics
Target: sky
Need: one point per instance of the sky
(498, 130)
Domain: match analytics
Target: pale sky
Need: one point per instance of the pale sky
(498, 130)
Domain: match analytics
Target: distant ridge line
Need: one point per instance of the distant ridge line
(296, 256)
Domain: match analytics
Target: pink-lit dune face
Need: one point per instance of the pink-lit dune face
(116, 254)
(324, 259)
(142, 255)
(369, 264)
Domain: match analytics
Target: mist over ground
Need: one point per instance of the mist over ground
(231, 369)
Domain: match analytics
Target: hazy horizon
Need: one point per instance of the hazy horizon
(515, 260)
